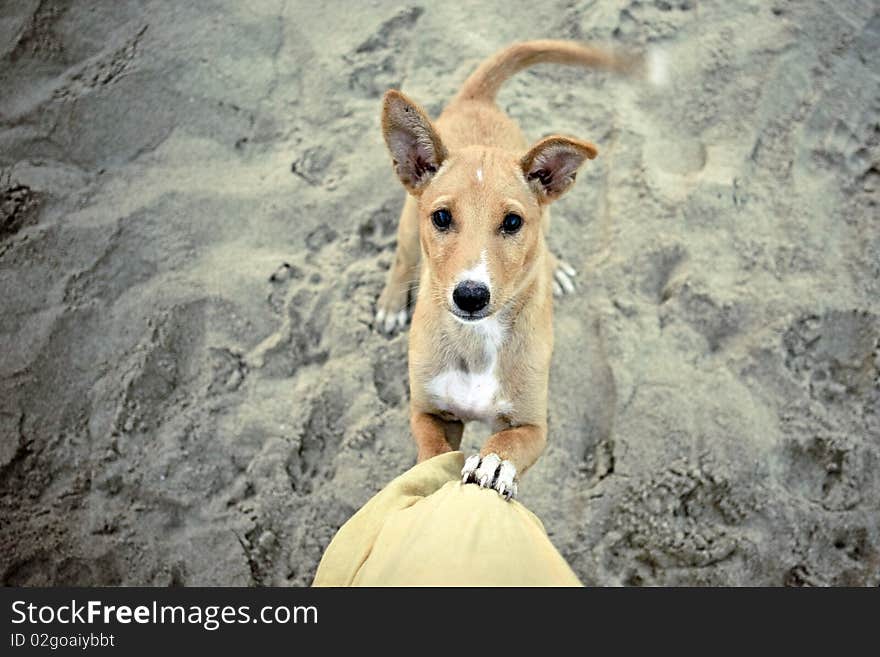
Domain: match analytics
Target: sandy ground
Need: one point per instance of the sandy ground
(179, 407)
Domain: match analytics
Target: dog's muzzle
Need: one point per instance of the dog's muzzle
(471, 298)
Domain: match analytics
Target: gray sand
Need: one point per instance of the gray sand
(178, 407)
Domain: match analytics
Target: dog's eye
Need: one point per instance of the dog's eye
(442, 219)
(512, 223)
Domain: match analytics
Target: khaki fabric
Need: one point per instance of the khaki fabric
(427, 529)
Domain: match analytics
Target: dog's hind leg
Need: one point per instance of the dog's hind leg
(392, 308)
(562, 272)
(563, 275)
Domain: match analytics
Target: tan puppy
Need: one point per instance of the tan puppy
(476, 217)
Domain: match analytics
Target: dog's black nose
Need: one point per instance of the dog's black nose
(471, 296)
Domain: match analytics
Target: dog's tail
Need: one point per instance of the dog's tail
(484, 83)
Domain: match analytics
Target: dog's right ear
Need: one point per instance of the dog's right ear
(414, 144)
(551, 165)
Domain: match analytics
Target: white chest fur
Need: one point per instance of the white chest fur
(473, 395)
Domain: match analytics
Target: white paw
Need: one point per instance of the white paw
(562, 278)
(391, 322)
(491, 472)
(470, 466)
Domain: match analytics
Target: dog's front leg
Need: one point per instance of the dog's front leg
(434, 435)
(505, 456)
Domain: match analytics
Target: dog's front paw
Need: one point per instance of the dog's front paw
(562, 278)
(490, 471)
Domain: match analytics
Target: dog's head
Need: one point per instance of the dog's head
(480, 209)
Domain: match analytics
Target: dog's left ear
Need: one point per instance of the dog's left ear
(414, 144)
(551, 165)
